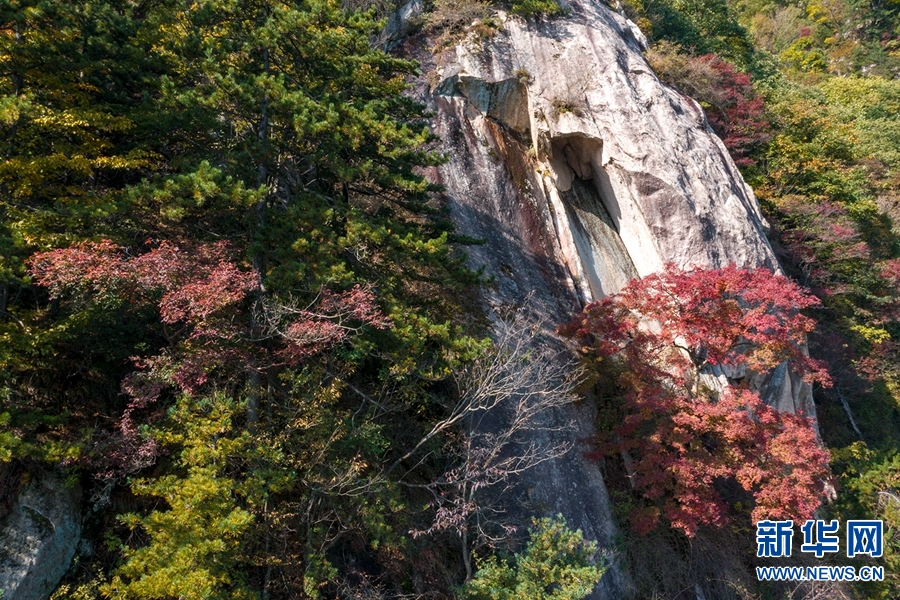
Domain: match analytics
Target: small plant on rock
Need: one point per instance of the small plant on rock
(451, 19)
(535, 7)
(523, 75)
(565, 106)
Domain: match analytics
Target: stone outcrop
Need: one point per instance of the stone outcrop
(38, 538)
(581, 170)
(400, 23)
(578, 94)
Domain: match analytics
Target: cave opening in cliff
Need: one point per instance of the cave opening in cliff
(593, 212)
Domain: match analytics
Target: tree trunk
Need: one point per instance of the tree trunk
(4, 301)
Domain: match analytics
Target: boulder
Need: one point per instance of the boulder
(38, 537)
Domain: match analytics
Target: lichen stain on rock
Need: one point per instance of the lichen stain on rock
(523, 202)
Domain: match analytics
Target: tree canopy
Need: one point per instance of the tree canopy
(662, 341)
(232, 308)
(223, 271)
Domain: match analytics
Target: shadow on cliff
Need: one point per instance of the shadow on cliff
(525, 276)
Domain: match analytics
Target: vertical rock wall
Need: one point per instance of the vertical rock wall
(581, 170)
(578, 96)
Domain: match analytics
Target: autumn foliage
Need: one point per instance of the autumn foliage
(195, 288)
(200, 295)
(734, 110)
(669, 341)
(189, 285)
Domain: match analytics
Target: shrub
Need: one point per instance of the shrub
(523, 75)
(557, 565)
(451, 18)
(535, 7)
(734, 110)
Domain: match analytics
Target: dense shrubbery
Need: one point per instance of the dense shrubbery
(535, 7)
(230, 305)
(662, 342)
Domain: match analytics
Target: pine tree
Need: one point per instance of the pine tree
(278, 251)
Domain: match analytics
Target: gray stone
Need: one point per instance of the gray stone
(598, 113)
(38, 538)
(400, 23)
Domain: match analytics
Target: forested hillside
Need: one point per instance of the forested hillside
(238, 323)
(224, 286)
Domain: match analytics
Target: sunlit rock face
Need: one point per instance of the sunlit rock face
(580, 170)
(578, 95)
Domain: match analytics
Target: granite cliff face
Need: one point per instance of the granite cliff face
(38, 537)
(581, 170)
(575, 97)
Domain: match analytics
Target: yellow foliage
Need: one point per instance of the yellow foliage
(873, 335)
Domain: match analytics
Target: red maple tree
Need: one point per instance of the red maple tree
(201, 295)
(686, 436)
(736, 112)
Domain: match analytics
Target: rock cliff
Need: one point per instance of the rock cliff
(38, 537)
(581, 170)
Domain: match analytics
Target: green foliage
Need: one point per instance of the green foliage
(870, 481)
(76, 125)
(826, 181)
(275, 127)
(557, 564)
(87, 591)
(277, 134)
(195, 547)
(870, 105)
(840, 37)
(535, 7)
(829, 192)
(9, 443)
(700, 26)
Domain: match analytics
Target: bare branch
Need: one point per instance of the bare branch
(505, 398)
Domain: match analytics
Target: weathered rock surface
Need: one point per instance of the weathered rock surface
(38, 538)
(581, 170)
(579, 92)
(400, 23)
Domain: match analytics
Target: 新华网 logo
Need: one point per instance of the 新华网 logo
(862, 538)
(773, 538)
